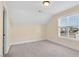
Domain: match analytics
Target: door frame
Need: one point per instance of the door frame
(5, 36)
(3, 30)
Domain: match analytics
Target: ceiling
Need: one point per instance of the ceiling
(22, 12)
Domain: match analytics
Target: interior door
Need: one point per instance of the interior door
(5, 31)
(1, 29)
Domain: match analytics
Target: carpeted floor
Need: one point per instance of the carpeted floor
(43, 48)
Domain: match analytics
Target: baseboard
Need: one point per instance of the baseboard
(27, 41)
(63, 44)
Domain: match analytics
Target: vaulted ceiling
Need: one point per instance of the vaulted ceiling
(22, 12)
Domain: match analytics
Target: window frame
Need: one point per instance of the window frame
(59, 34)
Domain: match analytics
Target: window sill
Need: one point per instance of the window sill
(69, 38)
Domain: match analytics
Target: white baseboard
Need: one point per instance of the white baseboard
(27, 41)
(63, 44)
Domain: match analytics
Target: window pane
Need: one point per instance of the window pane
(73, 26)
(62, 26)
(77, 34)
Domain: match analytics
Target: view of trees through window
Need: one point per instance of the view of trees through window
(69, 26)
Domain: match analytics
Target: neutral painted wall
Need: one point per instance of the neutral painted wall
(1, 29)
(52, 29)
(26, 32)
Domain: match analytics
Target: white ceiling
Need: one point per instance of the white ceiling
(34, 11)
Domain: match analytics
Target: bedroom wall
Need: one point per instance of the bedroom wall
(26, 33)
(52, 29)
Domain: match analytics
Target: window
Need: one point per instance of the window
(68, 26)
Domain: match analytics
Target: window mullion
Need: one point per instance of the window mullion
(68, 26)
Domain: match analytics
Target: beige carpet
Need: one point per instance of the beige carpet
(43, 48)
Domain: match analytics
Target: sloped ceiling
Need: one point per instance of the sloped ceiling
(23, 12)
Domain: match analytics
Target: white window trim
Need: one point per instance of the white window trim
(64, 36)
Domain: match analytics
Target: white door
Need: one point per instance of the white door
(1, 29)
(5, 31)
